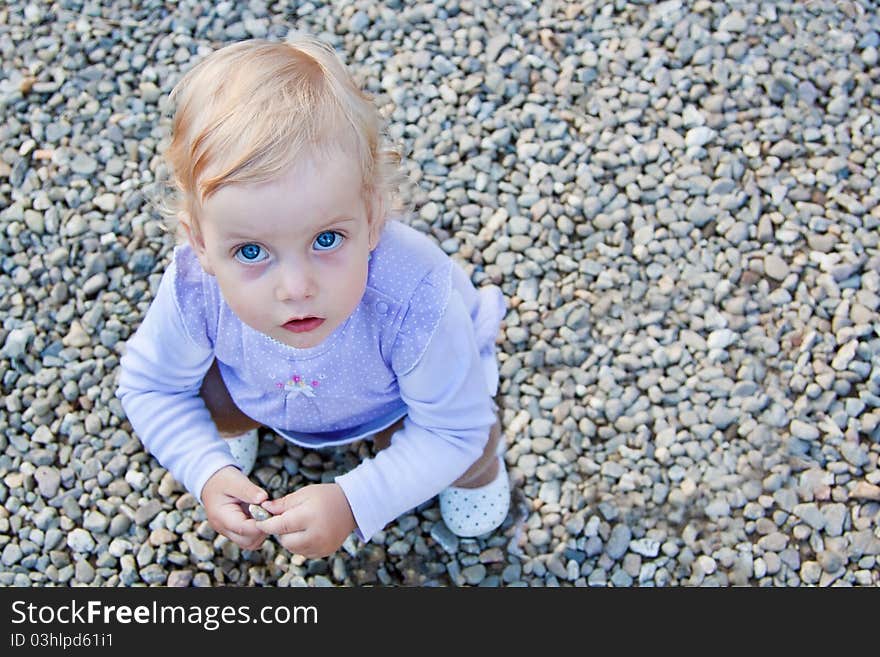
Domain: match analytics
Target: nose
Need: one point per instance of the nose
(296, 282)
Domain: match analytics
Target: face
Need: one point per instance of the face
(290, 255)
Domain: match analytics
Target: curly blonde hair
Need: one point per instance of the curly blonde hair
(250, 110)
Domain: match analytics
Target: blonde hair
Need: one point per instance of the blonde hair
(249, 110)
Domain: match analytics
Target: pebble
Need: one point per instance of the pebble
(11, 555)
(258, 513)
(864, 490)
(444, 537)
(773, 542)
(803, 430)
(105, 202)
(95, 522)
(84, 572)
(810, 572)
(698, 136)
(80, 540)
(775, 267)
(48, 481)
(474, 574)
(95, 284)
(83, 164)
(733, 22)
(646, 547)
(618, 542)
(810, 514)
(706, 564)
(17, 341)
(180, 578)
(201, 550)
(146, 512)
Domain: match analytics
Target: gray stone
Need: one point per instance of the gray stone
(84, 572)
(153, 574)
(95, 284)
(810, 514)
(147, 512)
(733, 22)
(119, 525)
(105, 202)
(258, 513)
(79, 540)
(84, 164)
(621, 578)
(200, 550)
(647, 547)
(17, 342)
(618, 541)
(698, 136)
(180, 578)
(810, 572)
(474, 574)
(722, 416)
(845, 355)
(775, 267)
(48, 481)
(835, 518)
(12, 554)
(773, 542)
(802, 430)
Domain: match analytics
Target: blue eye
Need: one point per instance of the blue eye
(328, 240)
(250, 253)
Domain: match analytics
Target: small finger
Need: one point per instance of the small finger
(245, 536)
(241, 523)
(279, 506)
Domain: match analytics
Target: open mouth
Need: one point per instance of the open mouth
(303, 325)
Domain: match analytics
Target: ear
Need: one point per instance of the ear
(197, 242)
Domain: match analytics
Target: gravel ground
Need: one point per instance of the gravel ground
(679, 199)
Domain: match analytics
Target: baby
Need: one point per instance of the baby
(298, 301)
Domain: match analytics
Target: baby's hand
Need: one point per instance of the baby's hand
(226, 496)
(312, 521)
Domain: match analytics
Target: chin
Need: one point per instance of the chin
(302, 341)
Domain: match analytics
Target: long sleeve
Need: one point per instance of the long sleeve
(450, 414)
(160, 376)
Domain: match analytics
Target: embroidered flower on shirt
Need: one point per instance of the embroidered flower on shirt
(299, 385)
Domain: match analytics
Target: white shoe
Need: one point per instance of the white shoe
(472, 512)
(244, 450)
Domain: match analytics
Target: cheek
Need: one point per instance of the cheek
(347, 282)
(245, 294)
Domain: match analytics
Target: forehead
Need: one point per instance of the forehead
(312, 192)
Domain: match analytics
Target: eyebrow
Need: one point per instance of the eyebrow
(237, 236)
(338, 220)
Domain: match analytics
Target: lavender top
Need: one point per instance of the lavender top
(420, 344)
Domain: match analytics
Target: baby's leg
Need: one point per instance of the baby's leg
(382, 439)
(230, 420)
(481, 472)
(485, 468)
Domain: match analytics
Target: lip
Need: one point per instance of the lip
(303, 325)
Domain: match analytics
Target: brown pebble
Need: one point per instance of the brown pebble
(865, 491)
(258, 513)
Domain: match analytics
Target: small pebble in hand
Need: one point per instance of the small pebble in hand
(258, 513)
